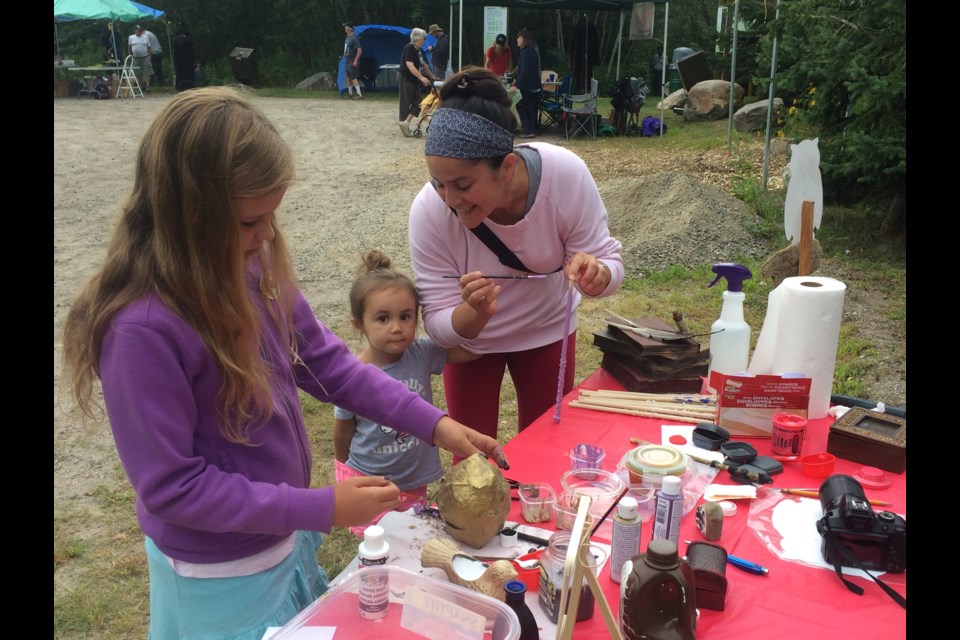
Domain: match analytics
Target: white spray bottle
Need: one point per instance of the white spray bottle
(730, 334)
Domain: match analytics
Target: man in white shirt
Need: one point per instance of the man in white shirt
(140, 49)
(156, 55)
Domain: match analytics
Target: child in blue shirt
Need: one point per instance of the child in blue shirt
(384, 307)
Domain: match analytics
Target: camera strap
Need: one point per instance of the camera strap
(837, 550)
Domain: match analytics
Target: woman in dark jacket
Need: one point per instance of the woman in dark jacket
(528, 82)
(184, 60)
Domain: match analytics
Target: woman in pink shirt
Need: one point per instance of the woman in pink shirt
(542, 204)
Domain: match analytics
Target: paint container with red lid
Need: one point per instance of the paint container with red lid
(787, 434)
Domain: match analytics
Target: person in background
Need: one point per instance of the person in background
(656, 70)
(200, 74)
(156, 56)
(498, 57)
(540, 201)
(184, 60)
(441, 52)
(200, 340)
(527, 81)
(351, 57)
(385, 309)
(112, 43)
(415, 75)
(139, 47)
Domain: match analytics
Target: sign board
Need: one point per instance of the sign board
(494, 22)
(641, 21)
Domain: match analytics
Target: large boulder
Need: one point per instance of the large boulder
(676, 99)
(753, 117)
(323, 81)
(710, 100)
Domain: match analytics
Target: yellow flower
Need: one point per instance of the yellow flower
(813, 90)
(813, 103)
(780, 133)
(792, 110)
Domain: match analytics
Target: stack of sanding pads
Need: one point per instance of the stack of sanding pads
(651, 364)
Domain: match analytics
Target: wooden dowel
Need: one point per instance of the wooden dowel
(659, 397)
(632, 412)
(676, 410)
(806, 239)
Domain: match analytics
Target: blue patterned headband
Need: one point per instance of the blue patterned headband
(460, 134)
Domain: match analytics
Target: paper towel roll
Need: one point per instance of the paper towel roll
(801, 332)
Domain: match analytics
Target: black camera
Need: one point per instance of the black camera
(856, 536)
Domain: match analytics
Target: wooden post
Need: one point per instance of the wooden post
(806, 239)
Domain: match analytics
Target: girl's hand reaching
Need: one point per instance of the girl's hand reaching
(464, 441)
(358, 500)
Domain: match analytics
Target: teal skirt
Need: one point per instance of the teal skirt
(233, 608)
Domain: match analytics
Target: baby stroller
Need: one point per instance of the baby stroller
(428, 105)
(97, 87)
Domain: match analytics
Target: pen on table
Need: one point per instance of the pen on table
(526, 277)
(745, 565)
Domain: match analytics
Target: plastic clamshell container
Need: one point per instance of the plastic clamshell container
(537, 501)
(651, 463)
(339, 607)
(603, 488)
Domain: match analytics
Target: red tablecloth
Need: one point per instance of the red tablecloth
(793, 601)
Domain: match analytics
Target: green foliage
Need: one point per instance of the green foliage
(854, 55)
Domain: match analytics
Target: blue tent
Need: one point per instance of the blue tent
(381, 44)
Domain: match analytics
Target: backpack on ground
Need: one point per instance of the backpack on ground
(651, 125)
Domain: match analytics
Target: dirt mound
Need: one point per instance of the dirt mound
(674, 219)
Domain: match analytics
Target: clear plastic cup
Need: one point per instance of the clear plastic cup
(586, 456)
(537, 500)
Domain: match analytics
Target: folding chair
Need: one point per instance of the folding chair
(551, 105)
(128, 80)
(580, 112)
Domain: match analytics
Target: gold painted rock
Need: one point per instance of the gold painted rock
(474, 500)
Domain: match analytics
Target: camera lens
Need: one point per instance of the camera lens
(835, 487)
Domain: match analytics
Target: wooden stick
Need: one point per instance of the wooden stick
(597, 590)
(673, 410)
(632, 412)
(666, 407)
(806, 239)
(693, 398)
(816, 494)
(572, 578)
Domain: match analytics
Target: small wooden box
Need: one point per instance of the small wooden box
(871, 438)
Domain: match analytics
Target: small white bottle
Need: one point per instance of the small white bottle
(625, 543)
(374, 588)
(666, 521)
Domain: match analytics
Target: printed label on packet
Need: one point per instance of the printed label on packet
(439, 619)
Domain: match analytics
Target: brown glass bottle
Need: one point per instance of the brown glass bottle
(657, 595)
